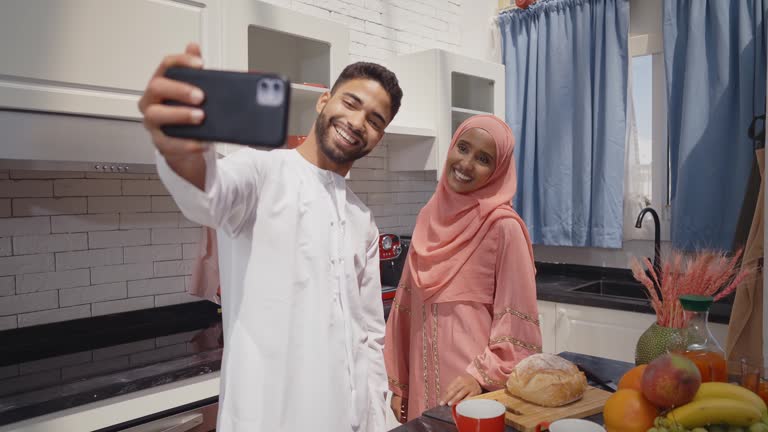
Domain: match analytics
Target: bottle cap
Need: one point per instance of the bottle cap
(696, 303)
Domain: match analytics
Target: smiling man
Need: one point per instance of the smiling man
(303, 318)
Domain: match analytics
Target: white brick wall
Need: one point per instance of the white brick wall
(75, 244)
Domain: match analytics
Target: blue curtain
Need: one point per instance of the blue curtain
(566, 101)
(714, 54)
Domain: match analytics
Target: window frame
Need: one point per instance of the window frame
(644, 45)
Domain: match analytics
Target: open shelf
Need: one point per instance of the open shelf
(471, 92)
(410, 131)
(300, 59)
(305, 94)
(458, 115)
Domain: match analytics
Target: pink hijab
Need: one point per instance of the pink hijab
(451, 225)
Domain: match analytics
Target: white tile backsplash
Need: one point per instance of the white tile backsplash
(25, 188)
(126, 305)
(86, 187)
(123, 272)
(28, 283)
(155, 286)
(6, 248)
(26, 245)
(149, 254)
(126, 204)
(7, 286)
(92, 294)
(24, 226)
(8, 322)
(84, 223)
(109, 239)
(149, 220)
(29, 302)
(163, 204)
(174, 268)
(176, 235)
(144, 187)
(89, 258)
(24, 264)
(49, 206)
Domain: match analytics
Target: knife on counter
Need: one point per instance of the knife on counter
(609, 386)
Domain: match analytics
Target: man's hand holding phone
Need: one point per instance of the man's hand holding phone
(184, 156)
(158, 114)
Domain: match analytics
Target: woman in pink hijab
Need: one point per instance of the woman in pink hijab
(465, 310)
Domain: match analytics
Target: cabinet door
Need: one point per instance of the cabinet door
(599, 332)
(94, 57)
(547, 318)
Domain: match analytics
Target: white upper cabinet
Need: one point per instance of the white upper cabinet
(440, 90)
(94, 57)
(309, 51)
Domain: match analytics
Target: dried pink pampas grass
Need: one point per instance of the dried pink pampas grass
(706, 273)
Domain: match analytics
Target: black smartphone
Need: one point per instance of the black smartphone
(240, 108)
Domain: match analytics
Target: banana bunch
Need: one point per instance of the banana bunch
(721, 407)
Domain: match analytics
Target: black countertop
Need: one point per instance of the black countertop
(52, 367)
(439, 419)
(556, 282)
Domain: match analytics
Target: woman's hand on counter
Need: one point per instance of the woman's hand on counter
(399, 408)
(462, 387)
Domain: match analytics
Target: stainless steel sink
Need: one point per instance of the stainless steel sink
(613, 289)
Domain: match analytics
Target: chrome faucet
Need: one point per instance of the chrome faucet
(656, 241)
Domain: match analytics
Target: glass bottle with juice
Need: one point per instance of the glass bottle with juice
(700, 346)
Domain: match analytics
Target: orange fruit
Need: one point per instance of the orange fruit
(632, 378)
(628, 411)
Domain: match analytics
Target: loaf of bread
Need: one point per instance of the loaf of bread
(547, 380)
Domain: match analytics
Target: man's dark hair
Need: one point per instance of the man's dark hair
(385, 77)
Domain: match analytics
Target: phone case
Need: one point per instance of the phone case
(240, 108)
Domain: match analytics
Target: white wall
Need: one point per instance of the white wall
(476, 40)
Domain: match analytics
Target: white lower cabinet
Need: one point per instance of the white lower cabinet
(600, 332)
(547, 317)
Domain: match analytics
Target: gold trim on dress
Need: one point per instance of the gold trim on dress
(405, 287)
(434, 352)
(398, 384)
(516, 313)
(514, 341)
(401, 308)
(484, 373)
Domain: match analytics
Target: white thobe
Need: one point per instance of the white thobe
(301, 295)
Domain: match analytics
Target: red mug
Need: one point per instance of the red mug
(479, 415)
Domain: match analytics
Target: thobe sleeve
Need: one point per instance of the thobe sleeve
(515, 332)
(231, 190)
(397, 341)
(370, 290)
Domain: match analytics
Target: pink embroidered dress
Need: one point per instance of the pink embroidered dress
(466, 302)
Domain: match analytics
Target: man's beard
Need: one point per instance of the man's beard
(323, 127)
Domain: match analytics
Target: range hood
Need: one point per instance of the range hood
(32, 140)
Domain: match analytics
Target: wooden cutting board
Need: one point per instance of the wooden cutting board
(531, 414)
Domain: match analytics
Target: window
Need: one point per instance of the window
(647, 167)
